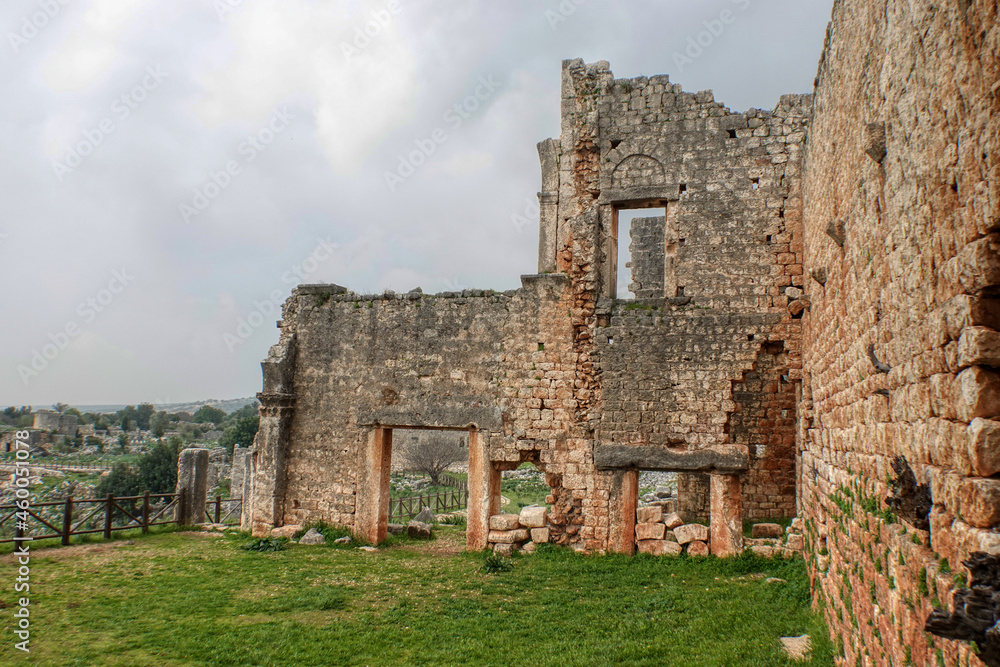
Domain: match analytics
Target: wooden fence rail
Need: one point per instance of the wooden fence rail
(448, 480)
(101, 515)
(446, 501)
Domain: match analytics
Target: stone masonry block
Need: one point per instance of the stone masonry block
(673, 520)
(978, 394)
(505, 522)
(651, 514)
(659, 548)
(698, 548)
(984, 446)
(509, 536)
(650, 531)
(540, 535)
(979, 346)
(980, 502)
(533, 517)
(691, 532)
(766, 530)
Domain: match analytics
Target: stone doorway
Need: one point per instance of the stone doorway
(373, 486)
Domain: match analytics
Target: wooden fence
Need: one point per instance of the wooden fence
(101, 515)
(446, 501)
(448, 480)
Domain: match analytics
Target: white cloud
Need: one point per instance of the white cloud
(296, 49)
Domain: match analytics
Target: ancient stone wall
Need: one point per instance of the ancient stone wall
(902, 240)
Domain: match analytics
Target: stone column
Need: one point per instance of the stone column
(548, 204)
(484, 491)
(621, 506)
(727, 515)
(192, 478)
(371, 509)
(267, 498)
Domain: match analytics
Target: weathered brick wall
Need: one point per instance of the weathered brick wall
(728, 245)
(915, 278)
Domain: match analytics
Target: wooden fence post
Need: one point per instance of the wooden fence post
(218, 508)
(108, 514)
(145, 512)
(67, 526)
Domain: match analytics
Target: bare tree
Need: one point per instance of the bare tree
(432, 452)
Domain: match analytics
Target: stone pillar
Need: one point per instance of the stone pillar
(371, 509)
(622, 505)
(484, 491)
(548, 204)
(192, 478)
(267, 497)
(727, 515)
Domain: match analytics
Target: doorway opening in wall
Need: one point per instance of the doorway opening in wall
(523, 487)
(643, 250)
(429, 478)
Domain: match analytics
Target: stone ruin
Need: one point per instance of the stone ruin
(816, 298)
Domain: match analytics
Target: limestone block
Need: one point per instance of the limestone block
(979, 346)
(795, 542)
(698, 548)
(978, 392)
(529, 548)
(286, 531)
(659, 548)
(312, 537)
(691, 532)
(763, 551)
(673, 520)
(651, 514)
(503, 548)
(540, 535)
(766, 530)
(418, 529)
(984, 446)
(509, 536)
(650, 531)
(533, 517)
(979, 500)
(505, 522)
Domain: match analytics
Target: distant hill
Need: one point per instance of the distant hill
(228, 405)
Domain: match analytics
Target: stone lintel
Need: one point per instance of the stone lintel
(726, 459)
(433, 416)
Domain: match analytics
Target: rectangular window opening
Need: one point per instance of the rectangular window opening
(641, 252)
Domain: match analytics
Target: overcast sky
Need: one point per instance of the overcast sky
(169, 168)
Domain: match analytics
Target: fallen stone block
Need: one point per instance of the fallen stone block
(533, 517)
(505, 522)
(659, 548)
(649, 514)
(313, 536)
(503, 548)
(650, 531)
(766, 530)
(762, 551)
(418, 529)
(797, 648)
(346, 539)
(286, 531)
(697, 548)
(540, 535)
(425, 516)
(795, 542)
(508, 536)
(529, 548)
(691, 532)
(368, 549)
(673, 520)
(396, 529)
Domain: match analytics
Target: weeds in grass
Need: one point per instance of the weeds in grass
(494, 563)
(267, 544)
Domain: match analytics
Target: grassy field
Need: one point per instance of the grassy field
(193, 599)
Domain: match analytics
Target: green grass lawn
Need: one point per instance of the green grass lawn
(186, 599)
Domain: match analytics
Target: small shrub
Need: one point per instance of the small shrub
(454, 520)
(266, 544)
(494, 563)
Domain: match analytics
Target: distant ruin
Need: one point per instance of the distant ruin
(816, 298)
